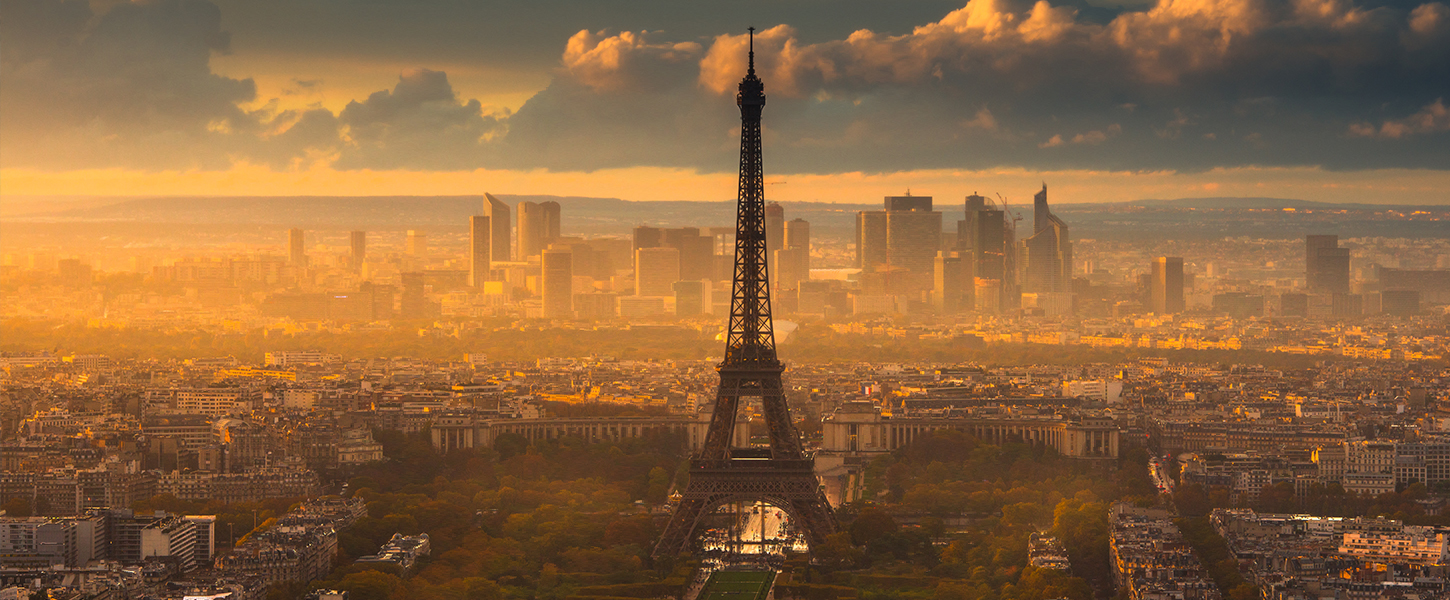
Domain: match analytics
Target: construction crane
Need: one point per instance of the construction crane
(1015, 216)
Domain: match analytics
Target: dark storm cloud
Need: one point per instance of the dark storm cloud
(130, 86)
(1184, 85)
(419, 125)
(1187, 85)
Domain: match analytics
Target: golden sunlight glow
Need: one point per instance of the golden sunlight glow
(653, 184)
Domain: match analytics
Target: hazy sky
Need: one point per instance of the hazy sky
(1315, 99)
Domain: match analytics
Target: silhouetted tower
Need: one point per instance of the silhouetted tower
(297, 247)
(359, 242)
(781, 475)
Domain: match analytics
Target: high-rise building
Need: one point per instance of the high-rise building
(1346, 305)
(901, 242)
(1047, 254)
(871, 240)
(1293, 305)
(1400, 303)
(691, 298)
(786, 268)
(655, 271)
(501, 228)
(558, 283)
(479, 246)
(774, 227)
(798, 237)
(696, 248)
(533, 230)
(982, 241)
(1167, 285)
(1326, 265)
(697, 252)
(297, 247)
(553, 229)
(413, 302)
(952, 287)
(417, 244)
(648, 237)
(359, 240)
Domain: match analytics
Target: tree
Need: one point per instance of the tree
(509, 445)
(658, 489)
(873, 524)
(1278, 498)
(372, 585)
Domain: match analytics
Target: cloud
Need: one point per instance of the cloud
(1090, 138)
(129, 85)
(419, 124)
(1184, 85)
(1209, 83)
(1433, 118)
(602, 62)
(621, 101)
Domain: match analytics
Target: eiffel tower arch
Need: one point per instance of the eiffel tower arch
(781, 474)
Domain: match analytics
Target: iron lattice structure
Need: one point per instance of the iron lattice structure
(781, 475)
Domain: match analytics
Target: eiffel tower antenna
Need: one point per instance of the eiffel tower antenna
(781, 475)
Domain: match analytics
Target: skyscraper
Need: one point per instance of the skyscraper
(798, 237)
(533, 230)
(696, 248)
(1326, 265)
(417, 244)
(413, 303)
(1048, 252)
(359, 241)
(691, 298)
(982, 242)
(901, 241)
(479, 245)
(791, 264)
(774, 227)
(1167, 285)
(501, 232)
(655, 271)
(871, 240)
(697, 252)
(981, 236)
(558, 283)
(648, 237)
(785, 268)
(552, 219)
(297, 247)
(951, 286)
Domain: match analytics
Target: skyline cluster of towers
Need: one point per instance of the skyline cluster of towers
(901, 253)
(907, 263)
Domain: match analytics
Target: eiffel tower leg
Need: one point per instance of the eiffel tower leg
(681, 529)
(784, 440)
(817, 520)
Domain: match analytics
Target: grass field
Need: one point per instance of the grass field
(738, 585)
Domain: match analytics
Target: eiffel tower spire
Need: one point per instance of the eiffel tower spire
(752, 340)
(781, 475)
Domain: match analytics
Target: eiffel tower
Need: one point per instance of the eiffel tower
(780, 475)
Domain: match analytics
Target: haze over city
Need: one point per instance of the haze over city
(801, 300)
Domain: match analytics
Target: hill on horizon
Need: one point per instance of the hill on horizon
(614, 216)
(1241, 202)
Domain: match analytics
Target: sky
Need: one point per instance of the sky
(1105, 100)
